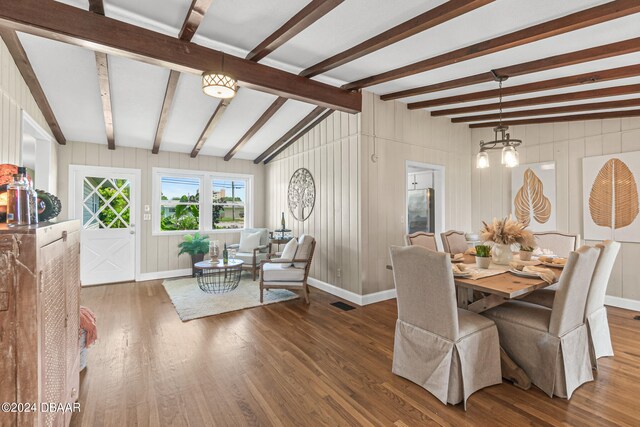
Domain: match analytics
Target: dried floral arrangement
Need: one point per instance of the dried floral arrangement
(507, 231)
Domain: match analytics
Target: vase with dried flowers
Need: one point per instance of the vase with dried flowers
(504, 233)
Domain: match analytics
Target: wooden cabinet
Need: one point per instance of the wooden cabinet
(39, 320)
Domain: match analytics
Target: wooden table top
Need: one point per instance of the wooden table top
(506, 285)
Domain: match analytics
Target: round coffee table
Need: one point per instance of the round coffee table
(217, 278)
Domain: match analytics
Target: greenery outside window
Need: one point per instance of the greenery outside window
(183, 200)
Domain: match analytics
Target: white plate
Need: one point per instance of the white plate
(522, 273)
(549, 264)
(461, 275)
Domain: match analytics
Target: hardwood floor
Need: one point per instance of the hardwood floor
(291, 364)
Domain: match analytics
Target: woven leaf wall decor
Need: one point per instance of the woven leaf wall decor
(530, 200)
(613, 201)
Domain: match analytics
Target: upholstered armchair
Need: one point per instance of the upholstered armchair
(251, 250)
(290, 271)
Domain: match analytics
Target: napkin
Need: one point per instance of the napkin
(543, 273)
(457, 257)
(458, 268)
(470, 251)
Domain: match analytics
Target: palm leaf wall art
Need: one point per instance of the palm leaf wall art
(530, 200)
(613, 201)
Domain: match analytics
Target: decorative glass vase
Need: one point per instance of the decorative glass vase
(501, 254)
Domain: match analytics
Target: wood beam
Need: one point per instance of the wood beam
(570, 118)
(580, 79)
(304, 131)
(102, 66)
(315, 10)
(572, 58)
(565, 24)
(57, 21)
(429, 19)
(26, 70)
(211, 124)
(169, 93)
(194, 18)
(606, 105)
(317, 112)
(264, 118)
(549, 99)
(196, 13)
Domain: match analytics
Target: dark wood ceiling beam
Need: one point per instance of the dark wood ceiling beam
(194, 18)
(264, 118)
(556, 119)
(549, 99)
(57, 21)
(102, 67)
(299, 135)
(210, 126)
(563, 60)
(195, 15)
(429, 19)
(606, 105)
(315, 10)
(562, 82)
(26, 70)
(169, 93)
(565, 24)
(317, 112)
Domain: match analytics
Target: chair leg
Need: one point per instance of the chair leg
(261, 296)
(254, 273)
(305, 290)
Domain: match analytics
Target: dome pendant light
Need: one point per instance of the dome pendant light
(219, 84)
(502, 139)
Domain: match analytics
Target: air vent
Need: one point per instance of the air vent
(342, 306)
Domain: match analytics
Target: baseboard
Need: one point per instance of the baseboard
(163, 274)
(629, 304)
(352, 296)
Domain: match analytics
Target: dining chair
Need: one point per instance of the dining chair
(289, 273)
(421, 238)
(595, 312)
(552, 345)
(454, 242)
(446, 350)
(559, 243)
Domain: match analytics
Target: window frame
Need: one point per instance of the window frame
(206, 199)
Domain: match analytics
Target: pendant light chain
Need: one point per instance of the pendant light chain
(500, 102)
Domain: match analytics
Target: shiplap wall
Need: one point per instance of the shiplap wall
(15, 97)
(158, 253)
(398, 135)
(567, 144)
(331, 151)
(360, 207)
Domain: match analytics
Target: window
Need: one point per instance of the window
(187, 201)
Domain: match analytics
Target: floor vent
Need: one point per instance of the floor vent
(342, 306)
(636, 318)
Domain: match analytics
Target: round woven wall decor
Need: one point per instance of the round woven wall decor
(301, 194)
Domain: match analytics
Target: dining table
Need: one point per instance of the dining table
(481, 294)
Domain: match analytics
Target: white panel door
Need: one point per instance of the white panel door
(104, 201)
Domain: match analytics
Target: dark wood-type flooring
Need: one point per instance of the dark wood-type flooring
(290, 364)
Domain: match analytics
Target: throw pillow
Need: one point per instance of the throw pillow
(289, 251)
(249, 241)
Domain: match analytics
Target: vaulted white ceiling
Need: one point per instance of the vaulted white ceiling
(69, 79)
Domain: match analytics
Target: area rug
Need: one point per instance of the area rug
(192, 303)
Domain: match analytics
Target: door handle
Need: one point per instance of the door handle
(132, 232)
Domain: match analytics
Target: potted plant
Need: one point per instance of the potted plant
(525, 253)
(196, 246)
(504, 233)
(483, 256)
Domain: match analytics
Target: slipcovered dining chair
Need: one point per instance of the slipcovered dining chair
(559, 243)
(595, 312)
(552, 345)
(291, 270)
(254, 247)
(446, 350)
(420, 238)
(454, 242)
